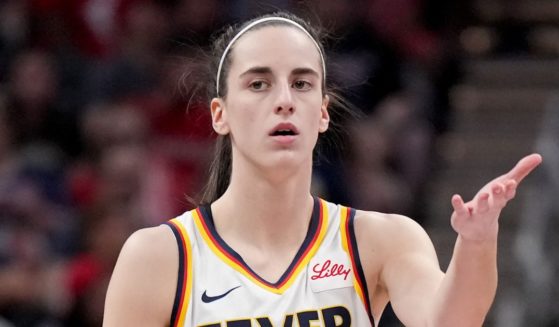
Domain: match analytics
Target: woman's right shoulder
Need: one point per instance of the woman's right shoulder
(147, 249)
(152, 241)
(143, 285)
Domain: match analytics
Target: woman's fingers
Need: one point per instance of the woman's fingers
(483, 202)
(459, 206)
(476, 219)
(524, 167)
(510, 189)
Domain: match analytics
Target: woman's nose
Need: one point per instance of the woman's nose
(284, 100)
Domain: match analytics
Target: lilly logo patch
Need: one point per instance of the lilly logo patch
(329, 269)
(330, 273)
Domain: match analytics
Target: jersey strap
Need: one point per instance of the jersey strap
(349, 244)
(185, 277)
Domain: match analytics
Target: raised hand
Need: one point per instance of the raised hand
(478, 219)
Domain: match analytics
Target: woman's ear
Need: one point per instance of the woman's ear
(324, 115)
(219, 117)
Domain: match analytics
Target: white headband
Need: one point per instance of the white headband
(256, 22)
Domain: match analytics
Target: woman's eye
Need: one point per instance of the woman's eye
(301, 85)
(258, 85)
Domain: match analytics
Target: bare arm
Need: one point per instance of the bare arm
(420, 293)
(142, 288)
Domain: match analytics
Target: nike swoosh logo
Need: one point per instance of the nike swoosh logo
(207, 299)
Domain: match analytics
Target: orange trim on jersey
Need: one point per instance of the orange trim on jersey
(240, 267)
(348, 248)
(187, 274)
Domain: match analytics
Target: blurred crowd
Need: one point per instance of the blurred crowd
(102, 132)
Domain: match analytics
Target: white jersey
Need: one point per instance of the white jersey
(323, 286)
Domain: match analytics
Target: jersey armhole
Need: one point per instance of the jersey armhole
(348, 228)
(184, 280)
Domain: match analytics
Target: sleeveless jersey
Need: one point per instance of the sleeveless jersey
(323, 286)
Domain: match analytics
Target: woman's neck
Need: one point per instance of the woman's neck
(268, 211)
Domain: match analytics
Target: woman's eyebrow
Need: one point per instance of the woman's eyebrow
(257, 70)
(304, 71)
(267, 70)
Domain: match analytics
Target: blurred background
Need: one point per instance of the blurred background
(96, 140)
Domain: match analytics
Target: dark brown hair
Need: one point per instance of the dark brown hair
(220, 169)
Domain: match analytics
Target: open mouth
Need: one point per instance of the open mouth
(283, 132)
(284, 129)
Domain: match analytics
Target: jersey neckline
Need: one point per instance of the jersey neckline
(315, 233)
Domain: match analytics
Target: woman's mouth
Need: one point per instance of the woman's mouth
(284, 129)
(284, 133)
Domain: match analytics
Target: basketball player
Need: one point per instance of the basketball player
(264, 251)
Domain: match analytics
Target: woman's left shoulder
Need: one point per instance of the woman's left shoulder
(385, 234)
(375, 222)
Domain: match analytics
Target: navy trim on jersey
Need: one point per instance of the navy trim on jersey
(180, 281)
(312, 230)
(359, 267)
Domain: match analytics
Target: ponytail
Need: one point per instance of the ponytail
(220, 171)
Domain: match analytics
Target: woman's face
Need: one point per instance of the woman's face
(274, 108)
